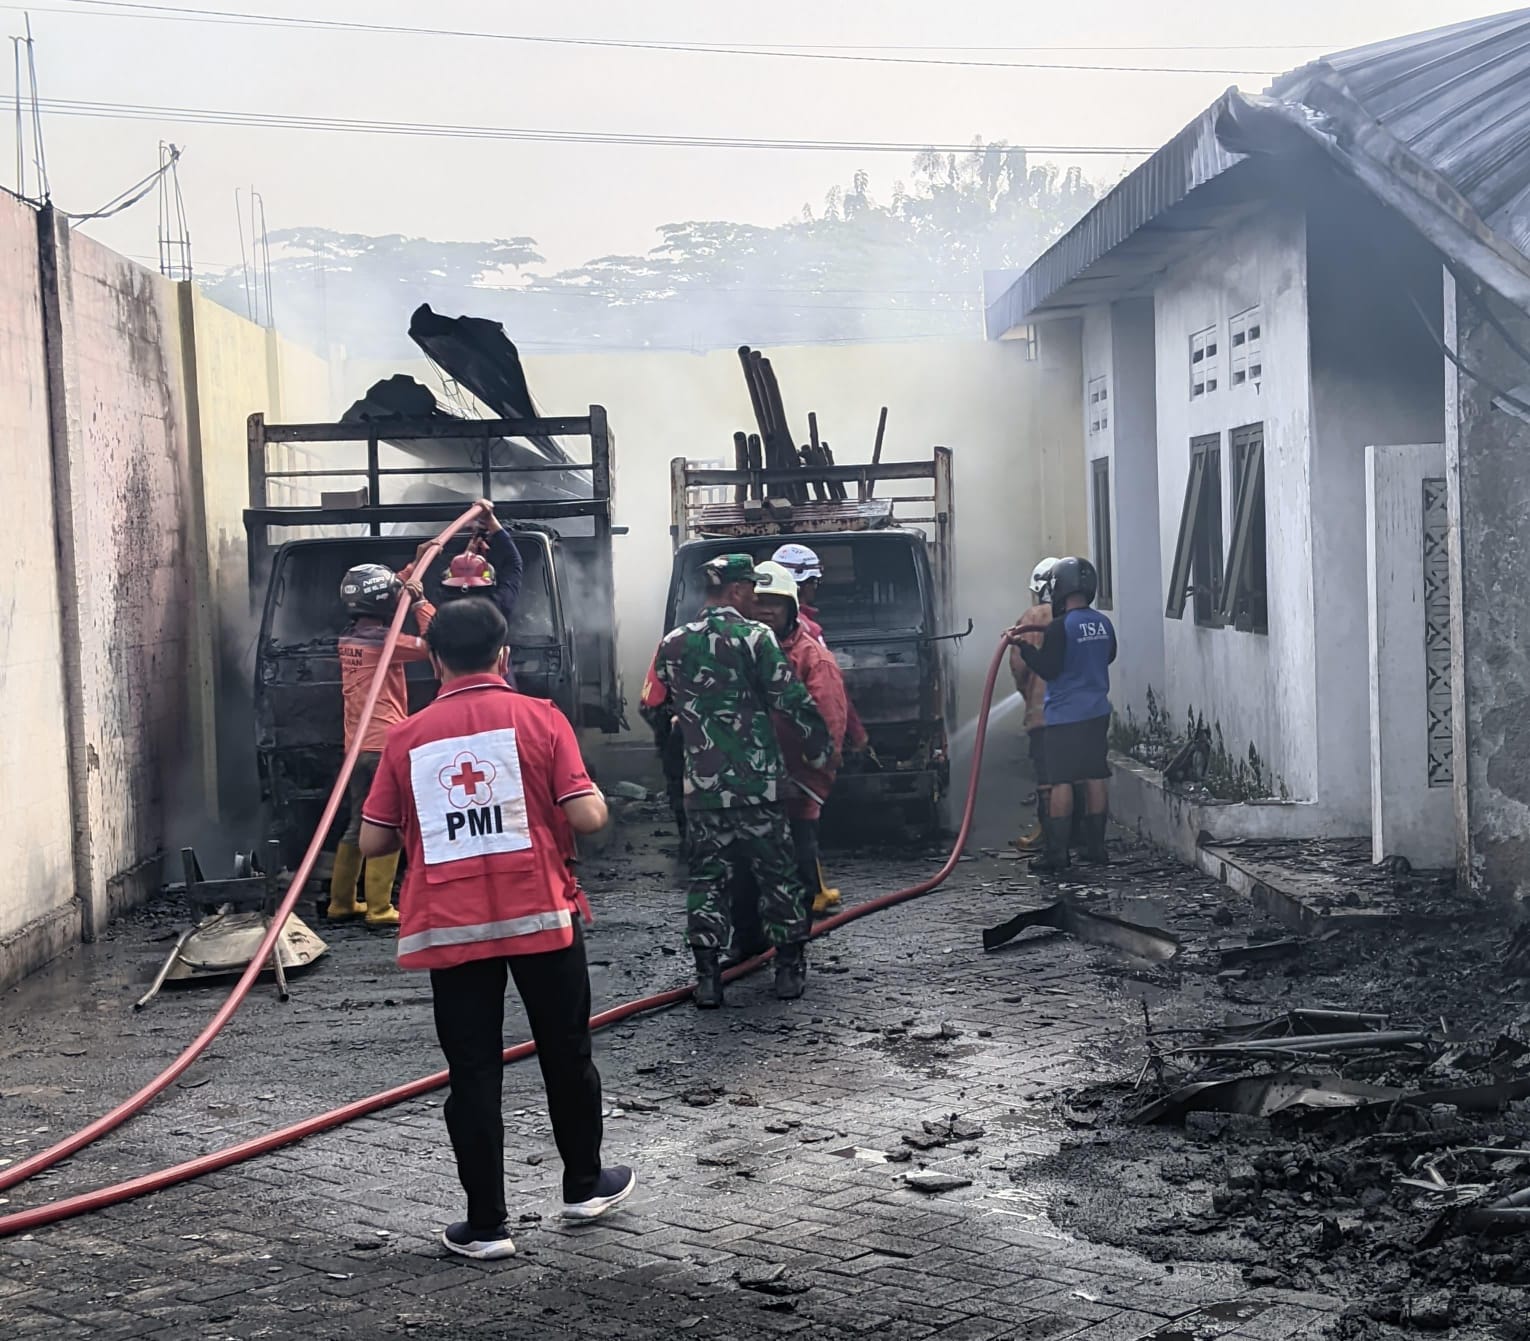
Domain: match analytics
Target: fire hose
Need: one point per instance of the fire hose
(21, 1221)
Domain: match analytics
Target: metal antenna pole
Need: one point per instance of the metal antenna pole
(37, 131)
(264, 252)
(244, 264)
(21, 139)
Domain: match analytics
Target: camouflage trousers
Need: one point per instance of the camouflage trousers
(722, 844)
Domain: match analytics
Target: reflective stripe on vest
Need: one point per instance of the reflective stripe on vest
(509, 929)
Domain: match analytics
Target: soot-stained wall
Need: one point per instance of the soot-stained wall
(35, 848)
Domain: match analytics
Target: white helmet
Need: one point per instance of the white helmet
(799, 561)
(774, 580)
(1041, 576)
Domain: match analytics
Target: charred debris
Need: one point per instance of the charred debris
(1345, 1112)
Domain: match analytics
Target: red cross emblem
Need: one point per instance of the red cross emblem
(468, 781)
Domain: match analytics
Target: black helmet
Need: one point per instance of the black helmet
(370, 589)
(1073, 577)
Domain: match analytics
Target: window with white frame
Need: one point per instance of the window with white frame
(1205, 362)
(1245, 341)
(1098, 390)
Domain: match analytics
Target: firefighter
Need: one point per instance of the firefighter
(1033, 689)
(1074, 659)
(806, 569)
(370, 592)
(776, 606)
(490, 566)
(486, 788)
(723, 673)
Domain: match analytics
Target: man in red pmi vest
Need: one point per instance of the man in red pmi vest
(484, 790)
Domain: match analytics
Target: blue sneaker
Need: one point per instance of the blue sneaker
(612, 1188)
(481, 1245)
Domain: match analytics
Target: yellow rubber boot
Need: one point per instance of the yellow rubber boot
(1029, 842)
(826, 899)
(1035, 840)
(344, 901)
(379, 885)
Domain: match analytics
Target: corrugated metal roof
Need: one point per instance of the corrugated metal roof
(1437, 124)
(1458, 99)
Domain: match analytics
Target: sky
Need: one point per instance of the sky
(585, 200)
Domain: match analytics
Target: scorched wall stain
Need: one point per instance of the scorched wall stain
(127, 340)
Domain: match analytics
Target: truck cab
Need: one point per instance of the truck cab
(883, 601)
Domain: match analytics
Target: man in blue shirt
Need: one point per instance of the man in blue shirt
(1074, 659)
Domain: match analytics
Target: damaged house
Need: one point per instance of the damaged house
(1305, 357)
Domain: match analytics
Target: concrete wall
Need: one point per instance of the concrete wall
(1118, 347)
(1376, 378)
(129, 633)
(1409, 817)
(1010, 422)
(1486, 451)
(37, 913)
(122, 405)
(1260, 689)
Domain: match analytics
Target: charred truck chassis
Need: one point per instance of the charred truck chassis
(565, 542)
(885, 602)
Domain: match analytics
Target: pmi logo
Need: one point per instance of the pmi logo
(469, 785)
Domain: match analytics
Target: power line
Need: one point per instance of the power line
(197, 14)
(210, 116)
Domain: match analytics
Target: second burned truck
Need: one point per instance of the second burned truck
(884, 601)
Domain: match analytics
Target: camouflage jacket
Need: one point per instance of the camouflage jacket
(723, 675)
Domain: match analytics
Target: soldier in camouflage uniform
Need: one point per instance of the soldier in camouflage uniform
(724, 674)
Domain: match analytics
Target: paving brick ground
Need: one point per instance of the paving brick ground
(757, 1132)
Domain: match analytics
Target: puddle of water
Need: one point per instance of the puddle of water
(1209, 1323)
(1154, 994)
(1144, 912)
(1030, 1119)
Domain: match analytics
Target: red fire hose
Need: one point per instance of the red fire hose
(21, 1221)
(46, 1159)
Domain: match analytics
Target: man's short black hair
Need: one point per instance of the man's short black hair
(466, 635)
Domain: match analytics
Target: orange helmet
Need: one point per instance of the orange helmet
(469, 572)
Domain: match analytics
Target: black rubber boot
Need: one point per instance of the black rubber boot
(1078, 832)
(1095, 852)
(791, 972)
(709, 983)
(1057, 833)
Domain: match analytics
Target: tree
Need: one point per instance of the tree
(859, 270)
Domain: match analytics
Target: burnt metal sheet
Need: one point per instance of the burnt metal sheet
(477, 353)
(1260, 1096)
(1098, 929)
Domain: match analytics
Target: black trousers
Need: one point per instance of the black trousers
(470, 1018)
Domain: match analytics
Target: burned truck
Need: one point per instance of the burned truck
(394, 471)
(884, 602)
